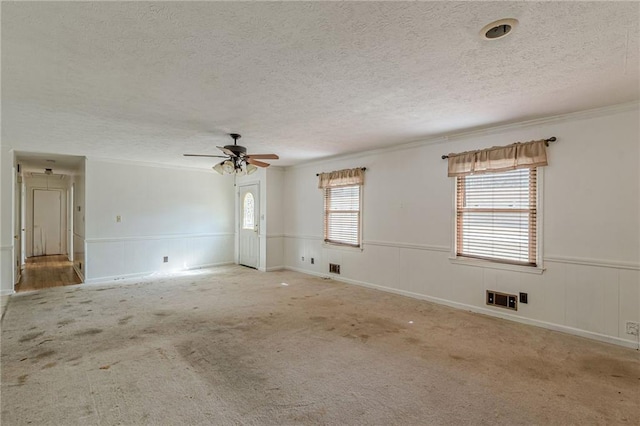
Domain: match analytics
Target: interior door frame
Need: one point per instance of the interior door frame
(23, 223)
(61, 225)
(239, 211)
(69, 235)
(17, 226)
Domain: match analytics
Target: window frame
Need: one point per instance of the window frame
(498, 263)
(338, 244)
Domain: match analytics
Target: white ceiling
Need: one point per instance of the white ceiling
(150, 81)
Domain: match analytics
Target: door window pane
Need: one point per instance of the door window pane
(248, 213)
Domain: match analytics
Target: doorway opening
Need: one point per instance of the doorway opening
(45, 229)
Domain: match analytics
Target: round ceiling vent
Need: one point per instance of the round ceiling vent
(498, 29)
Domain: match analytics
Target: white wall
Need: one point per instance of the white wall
(591, 225)
(7, 176)
(187, 215)
(78, 182)
(275, 219)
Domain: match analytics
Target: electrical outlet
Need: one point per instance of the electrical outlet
(118, 218)
(303, 258)
(313, 261)
(633, 328)
(165, 259)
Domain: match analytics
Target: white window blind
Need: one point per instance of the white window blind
(496, 216)
(342, 215)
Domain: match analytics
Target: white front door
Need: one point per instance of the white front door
(249, 220)
(46, 222)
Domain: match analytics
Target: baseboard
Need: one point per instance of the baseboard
(211, 265)
(315, 274)
(4, 304)
(480, 310)
(6, 292)
(275, 268)
(149, 273)
(80, 274)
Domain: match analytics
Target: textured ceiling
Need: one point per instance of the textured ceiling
(150, 81)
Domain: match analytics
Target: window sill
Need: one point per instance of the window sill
(341, 247)
(479, 263)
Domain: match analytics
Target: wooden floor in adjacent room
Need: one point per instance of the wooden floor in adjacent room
(42, 272)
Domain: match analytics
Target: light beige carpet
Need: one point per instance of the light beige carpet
(236, 346)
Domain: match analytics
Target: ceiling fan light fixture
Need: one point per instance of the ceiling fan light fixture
(251, 169)
(218, 168)
(228, 167)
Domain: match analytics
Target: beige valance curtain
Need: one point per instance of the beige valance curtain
(499, 158)
(341, 178)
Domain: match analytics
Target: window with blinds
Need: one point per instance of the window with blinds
(496, 216)
(342, 215)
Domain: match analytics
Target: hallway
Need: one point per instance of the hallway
(47, 271)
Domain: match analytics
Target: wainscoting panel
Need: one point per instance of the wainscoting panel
(588, 299)
(6, 270)
(275, 252)
(79, 261)
(115, 258)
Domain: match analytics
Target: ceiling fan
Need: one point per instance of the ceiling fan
(237, 160)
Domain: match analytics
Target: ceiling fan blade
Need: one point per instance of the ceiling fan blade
(264, 156)
(204, 155)
(227, 151)
(257, 163)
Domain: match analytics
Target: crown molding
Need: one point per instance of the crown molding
(146, 164)
(164, 165)
(570, 116)
(479, 131)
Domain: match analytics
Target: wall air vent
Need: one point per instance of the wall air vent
(334, 268)
(502, 300)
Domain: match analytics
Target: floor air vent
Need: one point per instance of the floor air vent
(502, 300)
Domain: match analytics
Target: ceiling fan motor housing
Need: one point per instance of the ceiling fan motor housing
(237, 149)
